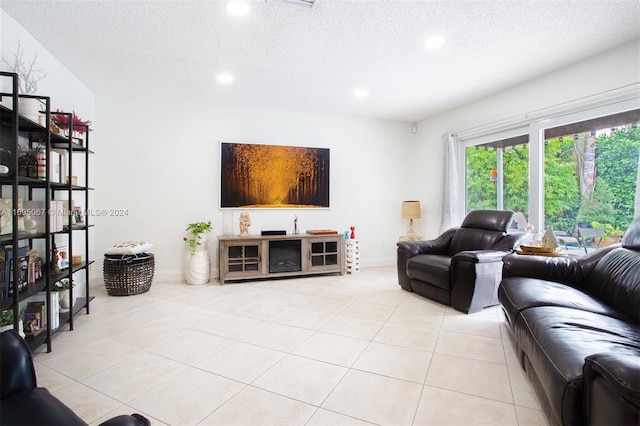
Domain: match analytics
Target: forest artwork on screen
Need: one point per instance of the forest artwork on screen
(273, 176)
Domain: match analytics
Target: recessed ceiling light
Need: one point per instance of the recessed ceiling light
(435, 42)
(237, 7)
(225, 78)
(361, 93)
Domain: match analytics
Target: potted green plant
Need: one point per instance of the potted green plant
(6, 320)
(62, 287)
(198, 231)
(197, 262)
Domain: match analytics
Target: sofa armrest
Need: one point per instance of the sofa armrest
(407, 249)
(479, 256)
(509, 241)
(438, 245)
(565, 270)
(475, 276)
(572, 271)
(612, 389)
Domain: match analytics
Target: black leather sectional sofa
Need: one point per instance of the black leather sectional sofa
(576, 327)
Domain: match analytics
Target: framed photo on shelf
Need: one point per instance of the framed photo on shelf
(63, 257)
(78, 216)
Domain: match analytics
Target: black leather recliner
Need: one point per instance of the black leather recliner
(463, 266)
(22, 402)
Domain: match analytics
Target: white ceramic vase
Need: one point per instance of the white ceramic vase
(65, 301)
(30, 108)
(197, 267)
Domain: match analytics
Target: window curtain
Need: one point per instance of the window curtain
(450, 215)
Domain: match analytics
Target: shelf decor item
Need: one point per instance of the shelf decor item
(62, 286)
(245, 223)
(30, 76)
(197, 268)
(61, 120)
(28, 166)
(6, 322)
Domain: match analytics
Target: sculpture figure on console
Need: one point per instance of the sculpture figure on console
(245, 223)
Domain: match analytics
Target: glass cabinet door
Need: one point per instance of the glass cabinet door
(324, 254)
(243, 258)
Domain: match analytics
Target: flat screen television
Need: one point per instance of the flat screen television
(273, 176)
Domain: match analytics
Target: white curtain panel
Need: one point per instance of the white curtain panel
(450, 197)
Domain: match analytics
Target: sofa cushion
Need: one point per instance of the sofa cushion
(430, 268)
(490, 220)
(474, 239)
(556, 341)
(615, 279)
(519, 293)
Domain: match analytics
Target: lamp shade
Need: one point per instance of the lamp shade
(411, 209)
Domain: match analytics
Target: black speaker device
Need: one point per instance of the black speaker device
(273, 232)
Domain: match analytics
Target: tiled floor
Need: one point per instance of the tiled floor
(330, 350)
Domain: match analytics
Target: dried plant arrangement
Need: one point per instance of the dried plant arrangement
(29, 75)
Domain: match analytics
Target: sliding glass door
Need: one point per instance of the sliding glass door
(568, 172)
(497, 175)
(591, 174)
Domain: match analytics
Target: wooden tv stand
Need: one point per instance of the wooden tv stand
(271, 256)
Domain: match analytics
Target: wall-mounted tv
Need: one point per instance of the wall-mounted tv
(273, 176)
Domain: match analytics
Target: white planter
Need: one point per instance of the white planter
(197, 267)
(30, 108)
(65, 302)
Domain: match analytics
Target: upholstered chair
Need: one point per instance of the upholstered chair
(462, 267)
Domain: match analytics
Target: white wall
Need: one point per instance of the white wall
(611, 70)
(159, 160)
(66, 91)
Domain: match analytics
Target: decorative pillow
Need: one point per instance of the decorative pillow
(129, 247)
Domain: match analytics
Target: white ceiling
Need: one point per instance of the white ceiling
(293, 58)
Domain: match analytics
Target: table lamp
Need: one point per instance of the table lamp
(411, 210)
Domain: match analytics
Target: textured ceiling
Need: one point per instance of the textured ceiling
(293, 58)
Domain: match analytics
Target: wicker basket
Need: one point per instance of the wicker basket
(538, 249)
(128, 275)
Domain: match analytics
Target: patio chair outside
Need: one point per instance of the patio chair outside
(592, 235)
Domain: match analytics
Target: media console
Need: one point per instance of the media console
(271, 256)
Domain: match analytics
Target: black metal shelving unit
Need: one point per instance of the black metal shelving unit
(12, 125)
